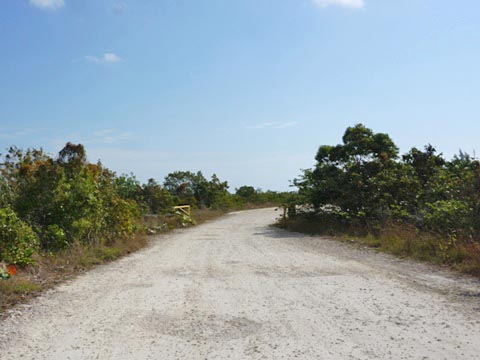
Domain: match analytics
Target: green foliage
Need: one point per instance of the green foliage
(18, 242)
(54, 238)
(67, 200)
(129, 188)
(157, 198)
(248, 193)
(446, 216)
(353, 175)
(187, 186)
(4, 274)
(52, 203)
(223, 201)
(365, 179)
(195, 190)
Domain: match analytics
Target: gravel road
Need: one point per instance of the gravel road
(236, 288)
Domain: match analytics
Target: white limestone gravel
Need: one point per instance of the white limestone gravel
(236, 288)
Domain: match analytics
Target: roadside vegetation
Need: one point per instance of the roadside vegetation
(63, 215)
(419, 204)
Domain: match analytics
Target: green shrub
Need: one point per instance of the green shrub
(121, 220)
(82, 230)
(446, 216)
(18, 242)
(54, 238)
(365, 177)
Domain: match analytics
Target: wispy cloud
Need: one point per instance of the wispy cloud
(260, 126)
(17, 134)
(286, 125)
(119, 7)
(107, 58)
(273, 125)
(352, 4)
(48, 4)
(110, 136)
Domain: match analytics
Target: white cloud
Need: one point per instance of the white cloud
(273, 125)
(111, 58)
(352, 4)
(105, 58)
(48, 4)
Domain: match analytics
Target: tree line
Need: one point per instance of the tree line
(364, 183)
(48, 203)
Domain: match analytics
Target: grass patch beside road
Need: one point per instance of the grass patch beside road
(204, 215)
(400, 240)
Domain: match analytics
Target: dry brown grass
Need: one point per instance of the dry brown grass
(471, 262)
(253, 206)
(202, 215)
(402, 240)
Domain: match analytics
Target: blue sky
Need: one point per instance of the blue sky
(247, 89)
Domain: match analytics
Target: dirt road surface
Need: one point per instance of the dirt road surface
(236, 288)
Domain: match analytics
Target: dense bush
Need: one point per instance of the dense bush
(66, 200)
(370, 185)
(52, 203)
(195, 190)
(18, 241)
(248, 194)
(54, 238)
